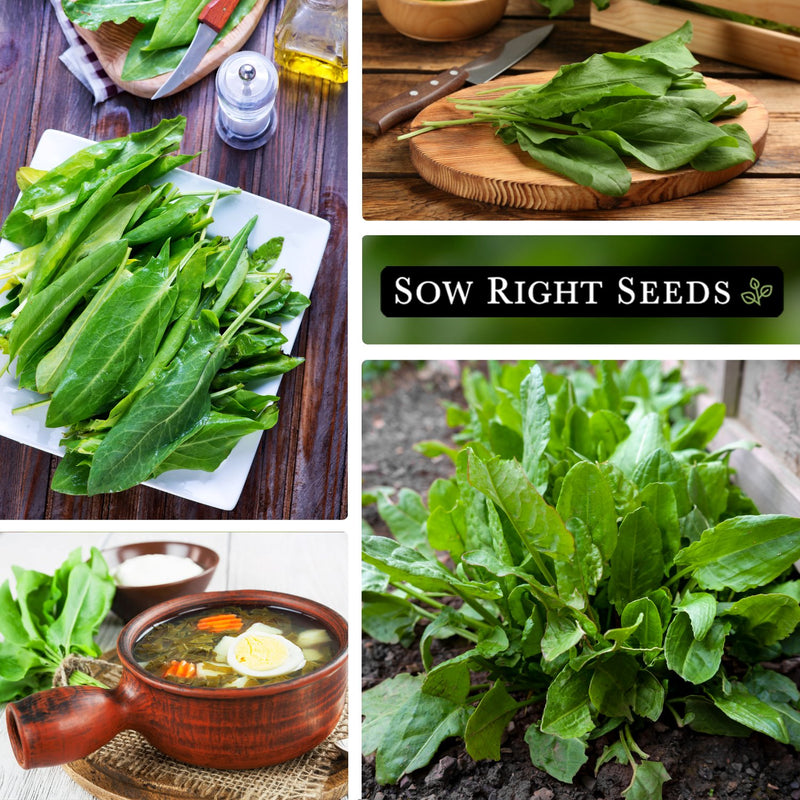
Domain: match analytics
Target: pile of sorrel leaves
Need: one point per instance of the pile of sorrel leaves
(52, 617)
(169, 27)
(647, 104)
(142, 331)
(592, 554)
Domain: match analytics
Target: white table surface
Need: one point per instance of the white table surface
(312, 565)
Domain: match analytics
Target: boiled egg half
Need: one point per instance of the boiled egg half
(264, 655)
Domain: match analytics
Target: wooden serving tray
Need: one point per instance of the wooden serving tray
(770, 51)
(470, 161)
(111, 43)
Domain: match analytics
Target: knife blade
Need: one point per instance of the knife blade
(485, 67)
(212, 20)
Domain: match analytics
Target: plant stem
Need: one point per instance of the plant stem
(421, 596)
(537, 558)
(210, 214)
(678, 720)
(263, 323)
(240, 320)
(229, 390)
(626, 748)
(535, 698)
(79, 678)
(678, 575)
(472, 603)
(20, 409)
(635, 747)
(432, 126)
(508, 114)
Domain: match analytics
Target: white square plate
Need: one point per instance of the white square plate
(305, 237)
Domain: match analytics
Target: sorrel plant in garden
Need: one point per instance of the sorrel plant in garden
(593, 554)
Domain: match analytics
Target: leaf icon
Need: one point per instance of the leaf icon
(766, 291)
(754, 284)
(750, 298)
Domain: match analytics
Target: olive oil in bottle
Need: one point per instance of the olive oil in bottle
(311, 38)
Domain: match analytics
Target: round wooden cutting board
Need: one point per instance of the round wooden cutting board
(111, 43)
(470, 161)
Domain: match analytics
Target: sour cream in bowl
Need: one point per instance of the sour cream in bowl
(148, 573)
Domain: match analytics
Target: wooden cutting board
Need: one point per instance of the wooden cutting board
(111, 43)
(470, 161)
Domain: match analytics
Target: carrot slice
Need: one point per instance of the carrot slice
(220, 622)
(180, 669)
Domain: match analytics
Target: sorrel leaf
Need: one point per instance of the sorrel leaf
(561, 758)
(487, 724)
(695, 660)
(743, 552)
(116, 346)
(162, 416)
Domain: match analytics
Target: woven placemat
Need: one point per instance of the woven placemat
(129, 767)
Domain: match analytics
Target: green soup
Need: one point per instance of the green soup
(235, 647)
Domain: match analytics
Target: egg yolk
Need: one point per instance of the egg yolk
(260, 653)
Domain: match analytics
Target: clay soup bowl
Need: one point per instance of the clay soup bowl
(221, 728)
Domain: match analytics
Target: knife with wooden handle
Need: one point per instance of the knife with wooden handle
(380, 119)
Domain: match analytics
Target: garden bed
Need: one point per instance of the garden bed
(405, 408)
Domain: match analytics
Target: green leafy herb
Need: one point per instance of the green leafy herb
(169, 26)
(92, 14)
(160, 45)
(51, 617)
(598, 558)
(141, 329)
(647, 104)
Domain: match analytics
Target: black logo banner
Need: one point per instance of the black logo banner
(478, 291)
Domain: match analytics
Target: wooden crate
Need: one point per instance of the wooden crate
(762, 403)
(768, 51)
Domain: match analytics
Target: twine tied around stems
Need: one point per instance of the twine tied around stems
(106, 672)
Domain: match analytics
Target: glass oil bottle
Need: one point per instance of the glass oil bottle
(311, 38)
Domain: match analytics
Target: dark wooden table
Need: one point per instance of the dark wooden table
(300, 469)
(392, 63)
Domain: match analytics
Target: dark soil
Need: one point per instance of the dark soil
(405, 407)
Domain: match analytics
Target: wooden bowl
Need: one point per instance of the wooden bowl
(132, 600)
(442, 20)
(219, 728)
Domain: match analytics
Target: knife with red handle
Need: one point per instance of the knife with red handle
(212, 20)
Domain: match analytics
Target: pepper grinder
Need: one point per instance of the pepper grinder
(247, 83)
